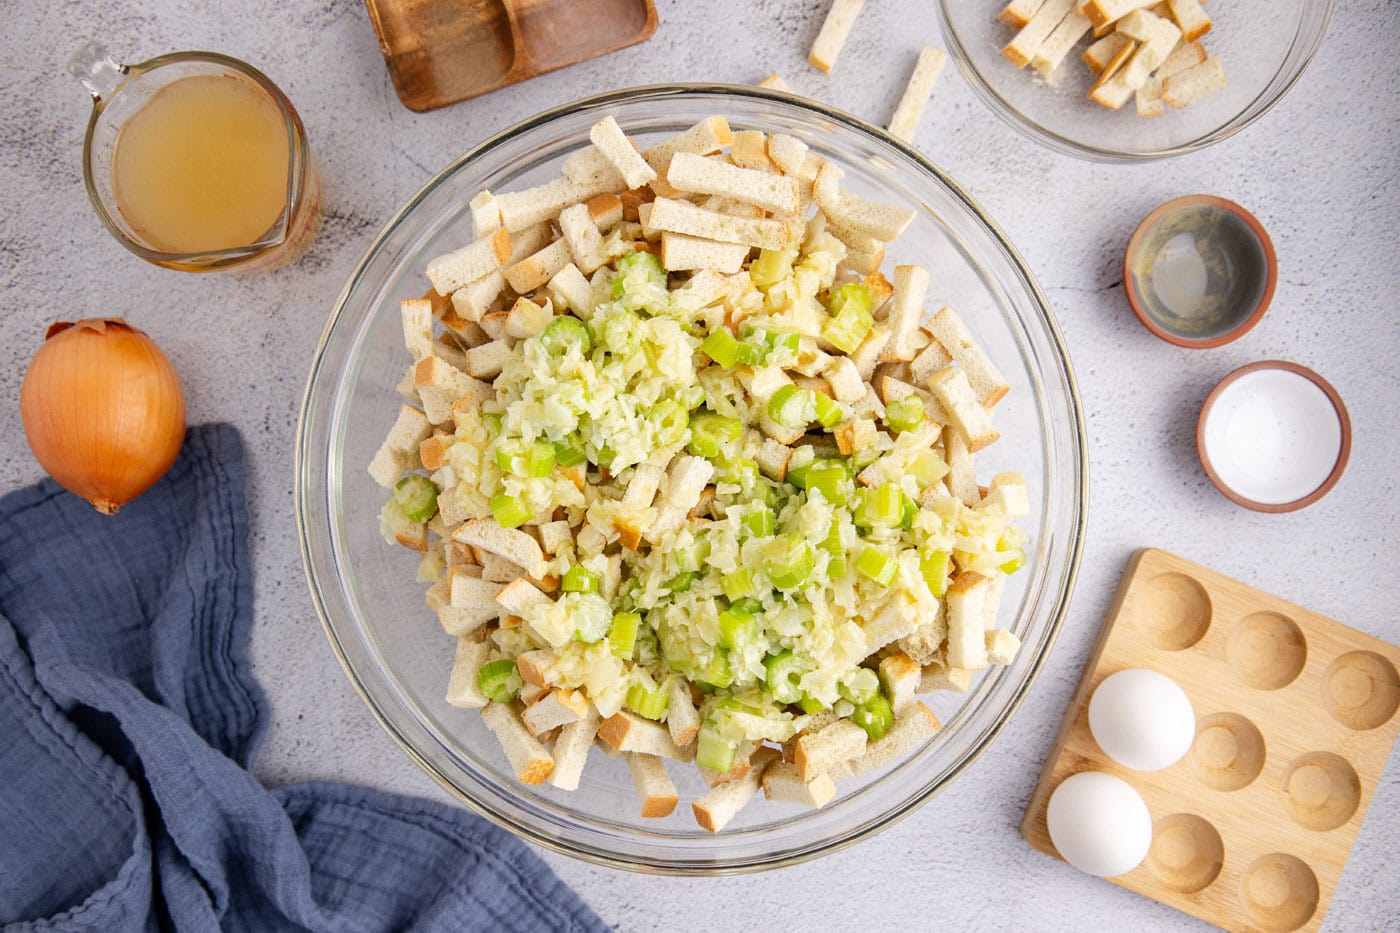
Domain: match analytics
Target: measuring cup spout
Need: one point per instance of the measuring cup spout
(98, 71)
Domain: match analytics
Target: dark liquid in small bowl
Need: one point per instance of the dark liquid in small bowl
(1200, 271)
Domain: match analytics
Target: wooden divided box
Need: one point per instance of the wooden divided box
(1295, 717)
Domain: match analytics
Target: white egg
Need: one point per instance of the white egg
(1142, 719)
(1099, 824)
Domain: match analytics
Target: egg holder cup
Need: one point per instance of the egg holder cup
(1295, 717)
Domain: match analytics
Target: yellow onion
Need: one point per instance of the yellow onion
(102, 410)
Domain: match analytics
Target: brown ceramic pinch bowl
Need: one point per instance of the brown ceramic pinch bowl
(1200, 271)
(1288, 404)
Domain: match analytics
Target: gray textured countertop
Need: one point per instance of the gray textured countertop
(1320, 172)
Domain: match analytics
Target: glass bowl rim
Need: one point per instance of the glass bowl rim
(1080, 479)
(1021, 122)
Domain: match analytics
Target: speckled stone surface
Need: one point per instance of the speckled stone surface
(1320, 171)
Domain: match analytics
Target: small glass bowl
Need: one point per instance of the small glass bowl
(1265, 45)
(394, 650)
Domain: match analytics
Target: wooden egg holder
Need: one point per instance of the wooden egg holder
(1295, 717)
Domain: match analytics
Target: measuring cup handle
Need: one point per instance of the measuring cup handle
(98, 71)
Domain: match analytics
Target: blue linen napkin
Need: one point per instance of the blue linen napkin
(129, 718)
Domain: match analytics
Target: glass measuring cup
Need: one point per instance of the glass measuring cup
(121, 91)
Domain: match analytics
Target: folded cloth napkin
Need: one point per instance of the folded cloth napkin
(129, 718)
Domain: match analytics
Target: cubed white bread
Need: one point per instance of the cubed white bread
(534, 666)
(961, 478)
(520, 596)
(737, 771)
(906, 310)
(533, 271)
(724, 801)
(925, 643)
(708, 136)
(908, 732)
(1148, 98)
(521, 209)
(683, 253)
(453, 270)
(885, 222)
(627, 732)
(750, 151)
(951, 387)
(556, 537)
(819, 752)
(399, 452)
(528, 758)
(655, 792)
(529, 692)
(530, 240)
(967, 600)
(486, 361)
(702, 289)
(700, 175)
(775, 82)
(1103, 12)
(1019, 12)
(1006, 496)
(1192, 84)
(772, 458)
(463, 690)
(788, 153)
(892, 390)
(581, 233)
(571, 751)
(486, 214)
(467, 589)
(856, 242)
(1038, 28)
(472, 302)
(512, 544)
(606, 210)
(1102, 52)
(1193, 21)
(650, 234)
(868, 405)
(609, 139)
(588, 164)
(1002, 646)
(867, 355)
(1057, 47)
(448, 347)
(643, 485)
(860, 263)
(939, 676)
(685, 482)
(457, 620)
(900, 675)
(440, 384)
(674, 216)
(949, 331)
(835, 28)
(916, 92)
(844, 379)
(417, 315)
(682, 719)
(571, 291)
(781, 782)
(526, 318)
(778, 432)
(1182, 57)
(855, 434)
(1115, 92)
(555, 708)
(1141, 25)
(928, 361)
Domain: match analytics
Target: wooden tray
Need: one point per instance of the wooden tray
(443, 51)
(1295, 717)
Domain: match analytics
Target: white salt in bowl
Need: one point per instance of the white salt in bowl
(1274, 436)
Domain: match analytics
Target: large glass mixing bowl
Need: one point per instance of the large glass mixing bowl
(393, 648)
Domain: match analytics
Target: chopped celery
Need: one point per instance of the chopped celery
(1017, 561)
(851, 317)
(692, 557)
(711, 433)
(716, 672)
(569, 452)
(788, 561)
(713, 750)
(771, 266)
(908, 512)
(829, 478)
(682, 582)
(793, 407)
(641, 267)
(417, 496)
(622, 635)
(500, 680)
(877, 565)
(579, 579)
(741, 472)
(875, 716)
(539, 459)
(737, 585)
(782, 341)
(670, 419)
(722, 347)
(648, 703)
(563, 332)
(934, 567)
(737, 627)
(860, 685)
(492, 421)
(904, 414)
(881, 507)
(591, 615)
(852, 296)
(760, 522)
(509, 511)
(829, 411)
(748, 604)
(752, 352)
(784, 676)
(604, 456)
(810, 705)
